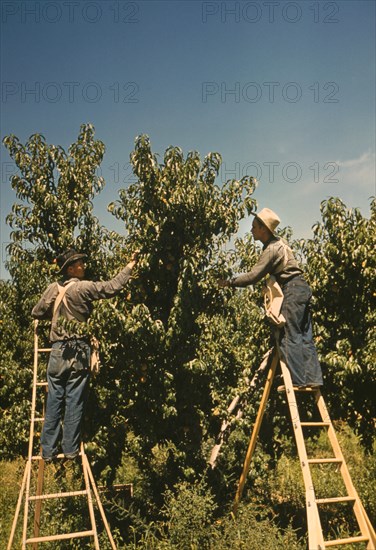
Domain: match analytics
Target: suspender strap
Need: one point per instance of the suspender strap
(60, 298)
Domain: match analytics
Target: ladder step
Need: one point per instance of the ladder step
(61, 537)
(325, 461)
(349, 540)
(59, 495)
(333, 500)
(308, 389)
(39, 419)
(42, 383)
(299, 388)
(44, 350)
(60, 455)
(315, 424)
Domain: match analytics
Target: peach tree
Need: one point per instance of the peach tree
(341, 268)
(158, 392)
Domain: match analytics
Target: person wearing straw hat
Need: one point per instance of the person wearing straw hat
(277, 259)
(68, 369)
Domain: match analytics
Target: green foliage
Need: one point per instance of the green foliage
(52, 181)
(252, 528)
(179, 219)
(189, 511)
(341, 268)
(11, 474)
(15, 376)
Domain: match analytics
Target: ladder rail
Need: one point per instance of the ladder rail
(359, 511)
(26, 506)
(255, 432)
(99, 503)
(18, 508)
(40, 480)
(315, 535)
(34, 391)
(38, 504)
(31, 434)
(89, 498)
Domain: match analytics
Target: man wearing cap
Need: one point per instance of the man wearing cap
(296, 344)
(68, 368)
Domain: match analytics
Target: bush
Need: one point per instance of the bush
(252, 529)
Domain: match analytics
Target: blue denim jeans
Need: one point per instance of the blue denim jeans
(297, 347)
(68, 374)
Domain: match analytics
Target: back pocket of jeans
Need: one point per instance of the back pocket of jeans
(55, 363)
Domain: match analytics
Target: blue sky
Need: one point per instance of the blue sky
(284, 90)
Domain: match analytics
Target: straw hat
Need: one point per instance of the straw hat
(268, 218)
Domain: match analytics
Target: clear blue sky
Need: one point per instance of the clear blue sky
(285, 91)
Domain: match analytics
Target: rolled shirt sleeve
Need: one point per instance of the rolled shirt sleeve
(105, 289)
(276, 260)
(268, 262)
(79, 298)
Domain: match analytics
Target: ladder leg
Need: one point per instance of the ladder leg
(89, 498)
(364, 523)
(18, 507)
(38, 503)
(315, 535)
(255, 432)
(26, 507)
(40, 484)
(95, 490)
(372, 535)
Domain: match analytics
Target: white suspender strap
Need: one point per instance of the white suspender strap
(60, 297)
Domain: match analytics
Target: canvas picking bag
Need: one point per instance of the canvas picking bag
(273, 295)
(273, 298)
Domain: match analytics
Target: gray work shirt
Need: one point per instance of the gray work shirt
(79, 298)
(276, 259)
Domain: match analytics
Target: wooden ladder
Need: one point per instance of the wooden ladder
(315, 533)
(25, 495)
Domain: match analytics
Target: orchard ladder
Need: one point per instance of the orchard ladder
(315, 532)
(90, 488)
